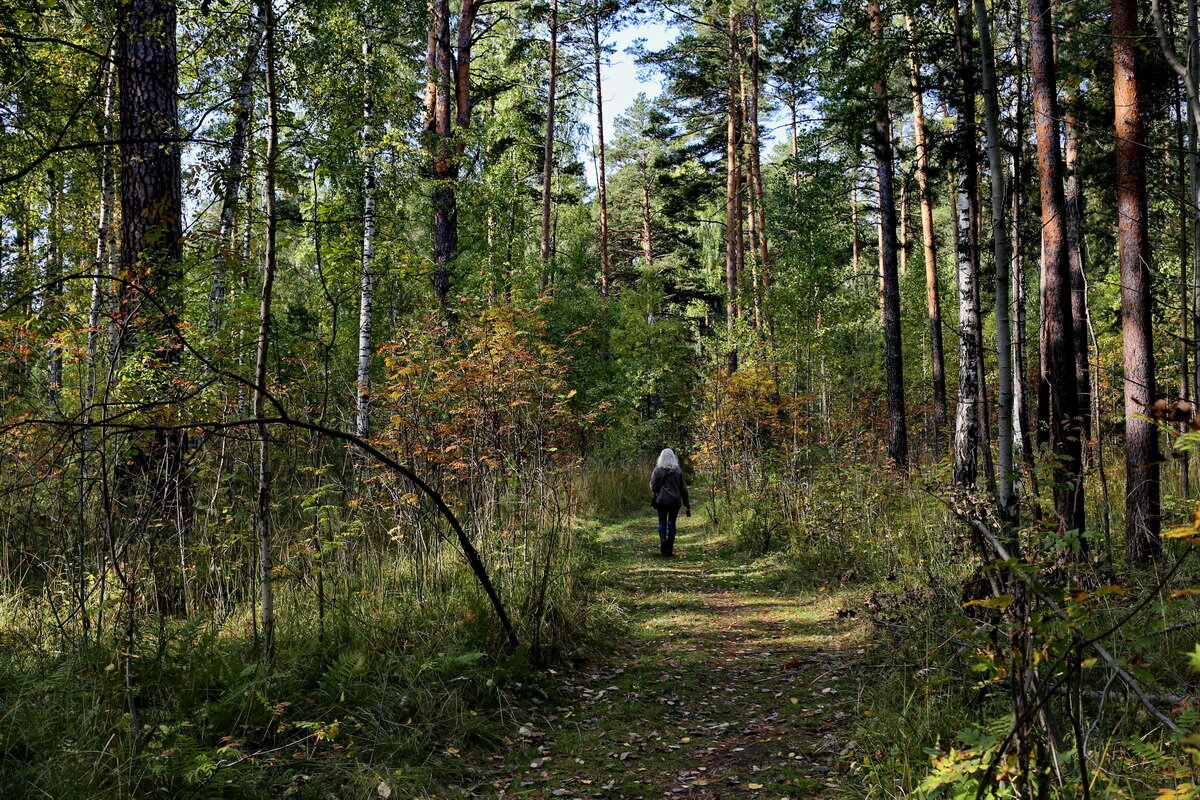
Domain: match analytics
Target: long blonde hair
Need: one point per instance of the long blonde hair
(667, 459)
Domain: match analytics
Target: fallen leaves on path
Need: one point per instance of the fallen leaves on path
(723, 690)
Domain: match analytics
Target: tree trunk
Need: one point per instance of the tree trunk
(1193, 42)
(1021, 424)
(933, 302)
(262, 515)
(546, 248)
(647, 223)
(602, 164)
(733, 189)
(1077, 256)
(227, 244)
(893, 354)
(968, 419)
(367, 278)
(150, 265)
(1000, 252)
(1142, 541)
(1057, 340)
(151, 200)
(1185, 214)
(105, 252)
(53, 299)
(439, 134)
(856, 240)
(758, 195)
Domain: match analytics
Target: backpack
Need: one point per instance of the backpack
(668, 493)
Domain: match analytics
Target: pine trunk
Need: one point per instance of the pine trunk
(601, 164)
(1142, 541)
(893, 354)
(733, 190)
(1057, 340)
(933, 302)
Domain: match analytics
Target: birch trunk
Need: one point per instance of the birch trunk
(262, 516)
(227, 242)
(968, 416)
(546, 246)
(362, 425)
(1000, 252)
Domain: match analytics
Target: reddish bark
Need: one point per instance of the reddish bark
(1142, 540)
(1057, 341)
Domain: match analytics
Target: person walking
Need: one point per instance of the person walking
(670, 494)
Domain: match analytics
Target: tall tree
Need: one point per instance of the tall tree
(1000, 254)
(439, 131)
(262, 510)
(1142, 540)
(546, 245)
(882, 145)
(234, 173)
(968, 417)
(1076, 254)
(367, 271)
(1057, 341)
(601, 155)
(733, 183)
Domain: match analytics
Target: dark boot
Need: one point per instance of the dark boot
(668, 543)
(663, 547)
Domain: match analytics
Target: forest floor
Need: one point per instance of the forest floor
(723, 687)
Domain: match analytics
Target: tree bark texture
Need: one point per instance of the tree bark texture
(1006, 497)
(1077, 256)
(439, 131)
(1142, 540)
(151, 200)
(262, 515)
(893, 356)
(733, 189)
(968, 419)
(1057, 340)
(366, 303)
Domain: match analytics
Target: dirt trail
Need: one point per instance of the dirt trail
(724, 689)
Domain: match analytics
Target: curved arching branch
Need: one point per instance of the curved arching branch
(282, 417)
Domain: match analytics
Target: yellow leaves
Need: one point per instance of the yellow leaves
(490, 398)
(1187, 533)
(998, 603)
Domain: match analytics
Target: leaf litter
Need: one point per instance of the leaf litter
(722, 689)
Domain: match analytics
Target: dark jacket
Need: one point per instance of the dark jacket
(669, 487)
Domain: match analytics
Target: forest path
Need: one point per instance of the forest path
(723, 689)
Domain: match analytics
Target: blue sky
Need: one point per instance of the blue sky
(621, 81)
(622, 84)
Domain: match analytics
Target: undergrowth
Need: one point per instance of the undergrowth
(382, 680)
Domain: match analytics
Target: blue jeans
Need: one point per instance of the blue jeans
(666, 528)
